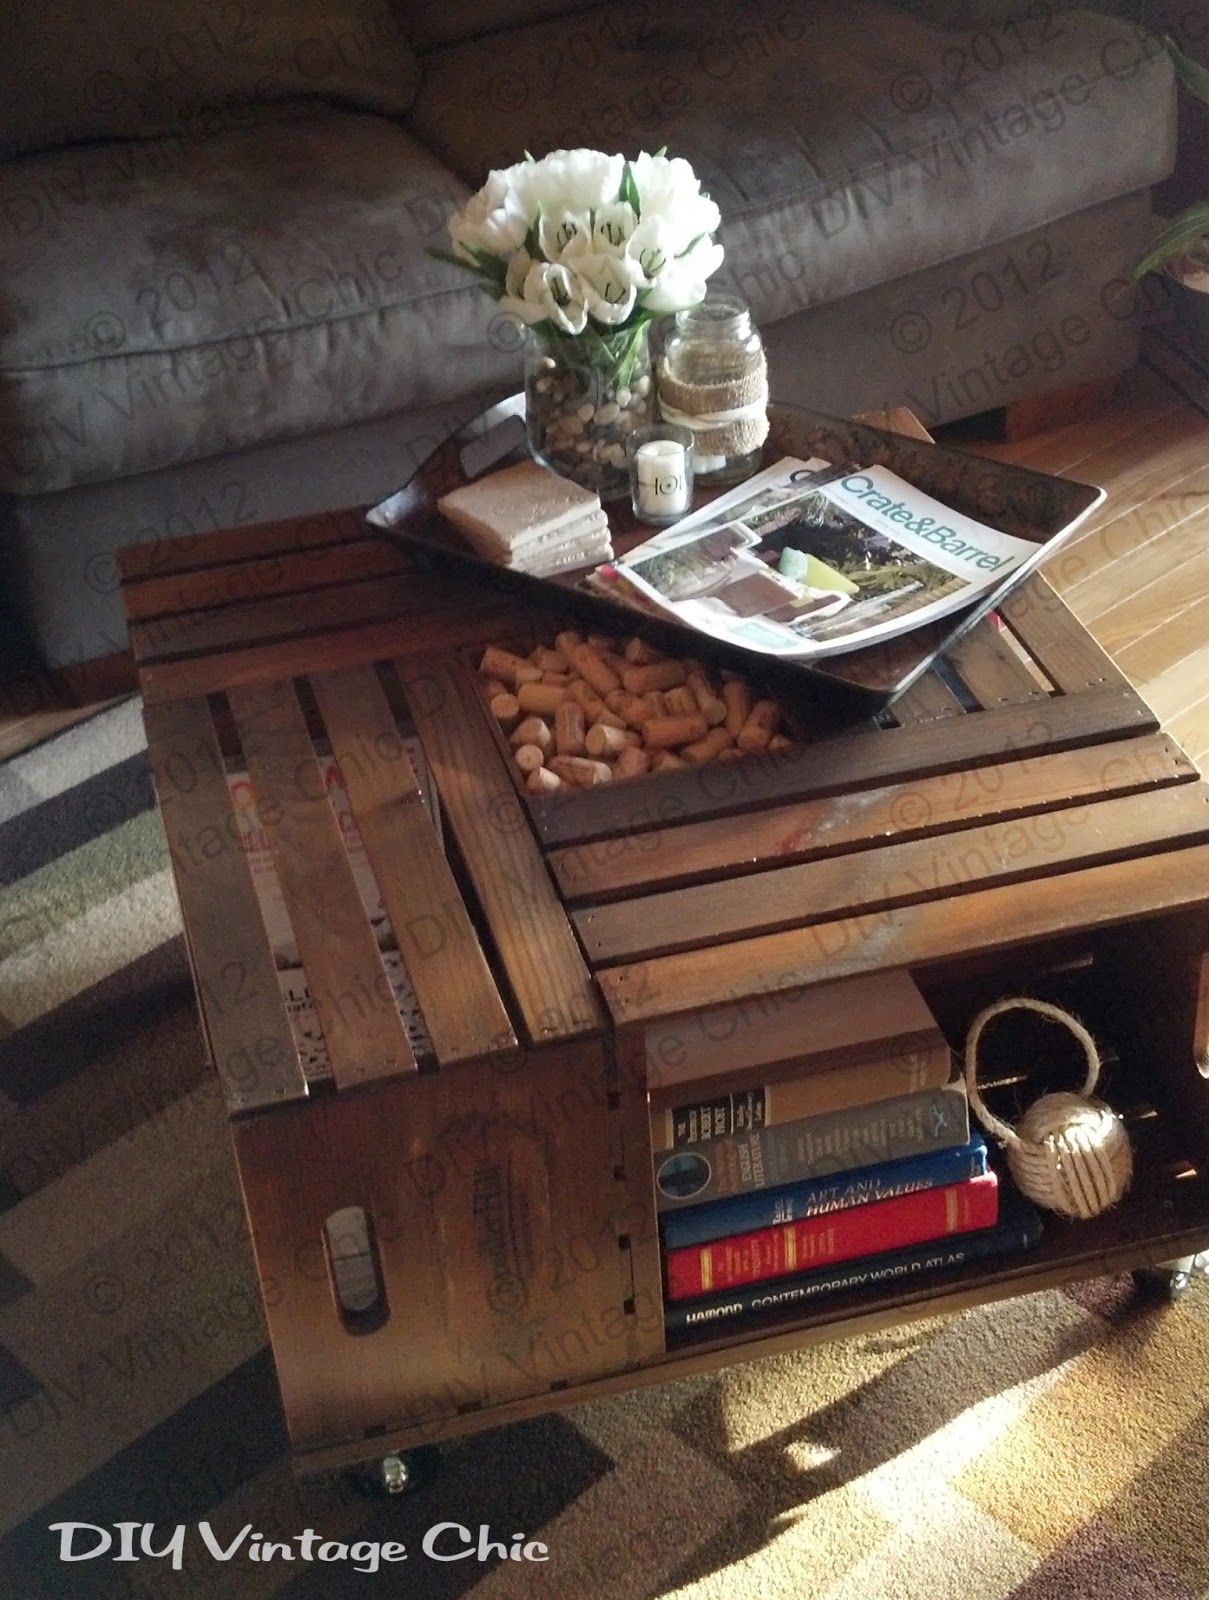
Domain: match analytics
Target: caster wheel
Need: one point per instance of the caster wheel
(401, 1473)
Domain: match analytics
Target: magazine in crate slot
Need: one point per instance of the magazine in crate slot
(299, 1003)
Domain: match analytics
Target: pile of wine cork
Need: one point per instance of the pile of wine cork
(595, 709)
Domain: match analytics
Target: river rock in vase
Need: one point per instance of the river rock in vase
(584, 395)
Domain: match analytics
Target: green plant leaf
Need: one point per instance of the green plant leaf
(1179, 234)
(629, 189)
(448, 255)
(1191, 74)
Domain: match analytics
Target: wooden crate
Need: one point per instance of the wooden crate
(1018, 820)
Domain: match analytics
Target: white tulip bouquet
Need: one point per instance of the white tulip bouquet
(586, 250)
(581, 241)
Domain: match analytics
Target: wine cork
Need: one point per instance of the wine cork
(640, 654)
(532, 731)
(681, 702)
(587, 662)
(529, 757)
(585, 696)
(493, 686)
(527, 673)
(665, 733)
(714, 742)
(567, 641)
(569, 729)
(667, 761)
(731, 754)
(579, 771)
(760, 726)
(655, 705)
(609, 719)
(559, 680)
(779, 742)
(542, 698)
(631, 708)
(615, 663)
(549, 660)
(505, 708)
(631, 763)
(542, 781)
(603, 741)
(658, 675)
(602, 641)
(738, 698)
(709, 703)
(497, 663)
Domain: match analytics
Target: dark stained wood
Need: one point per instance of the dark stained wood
(845, 763)
(85, 683)
(998, 918)
(991, 670)
(662, 858)
(291, 573)
(636, 1196)
(1067, 653)
(492, 1197)
(353, 999)
(251, 1042)
(946, 866)
(438, 943)
(192, 552)
(293, 657)
(350, 605)
(928, 697)
(537, 949)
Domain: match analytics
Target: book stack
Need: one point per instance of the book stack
(852, 1162)
(528, 519)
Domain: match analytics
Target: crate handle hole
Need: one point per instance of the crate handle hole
(351, 1248)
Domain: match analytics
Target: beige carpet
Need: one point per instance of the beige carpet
(1052, 1446)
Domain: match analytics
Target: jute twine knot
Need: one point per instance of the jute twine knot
(1069, 1152)
(727, 419)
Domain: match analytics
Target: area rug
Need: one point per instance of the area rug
(1050, 1446)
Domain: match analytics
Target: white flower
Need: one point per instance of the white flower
(612, 226)
(651, 247)
(556, 231)
(670, 190)
(491, 221)
(609, 284)
(682, 282)
(566, 180)
(550, 292)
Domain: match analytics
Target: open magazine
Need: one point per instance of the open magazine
(808, 560)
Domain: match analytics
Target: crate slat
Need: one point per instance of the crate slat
(363, 1033)
(290, 573)
(437, 940)
(949, 865)
(549, 980)
(250, 1038)
(928, 697)
(993, 920)
(662, 858)
(298, 655)
(1064, 650)
(991, 670)
(192, 552)
(844, 763)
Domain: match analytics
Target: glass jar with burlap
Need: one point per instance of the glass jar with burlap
(713, 378)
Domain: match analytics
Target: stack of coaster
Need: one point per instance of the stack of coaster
(529, 519)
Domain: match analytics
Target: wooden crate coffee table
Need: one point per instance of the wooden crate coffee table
(1013, 826)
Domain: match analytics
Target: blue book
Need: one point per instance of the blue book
(1018, 1228)
(767, 1208)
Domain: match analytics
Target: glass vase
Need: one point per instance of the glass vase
(584, 395)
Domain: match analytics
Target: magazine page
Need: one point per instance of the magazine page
(305, 1018)
(807, 560)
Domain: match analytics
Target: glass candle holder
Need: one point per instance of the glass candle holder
(660, 460)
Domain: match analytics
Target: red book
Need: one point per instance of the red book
(835, 1236)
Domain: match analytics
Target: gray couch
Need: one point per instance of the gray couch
(216, 304)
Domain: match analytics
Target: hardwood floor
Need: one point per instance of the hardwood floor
(1137, 575)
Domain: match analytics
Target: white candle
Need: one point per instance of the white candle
(662, 489)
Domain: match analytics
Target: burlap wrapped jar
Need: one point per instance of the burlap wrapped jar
(713, 379)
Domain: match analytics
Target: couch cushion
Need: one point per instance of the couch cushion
(71, 69)
(169, 300)
(427, 25)
(845, 145)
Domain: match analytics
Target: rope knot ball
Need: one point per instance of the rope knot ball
(1069, 1152)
